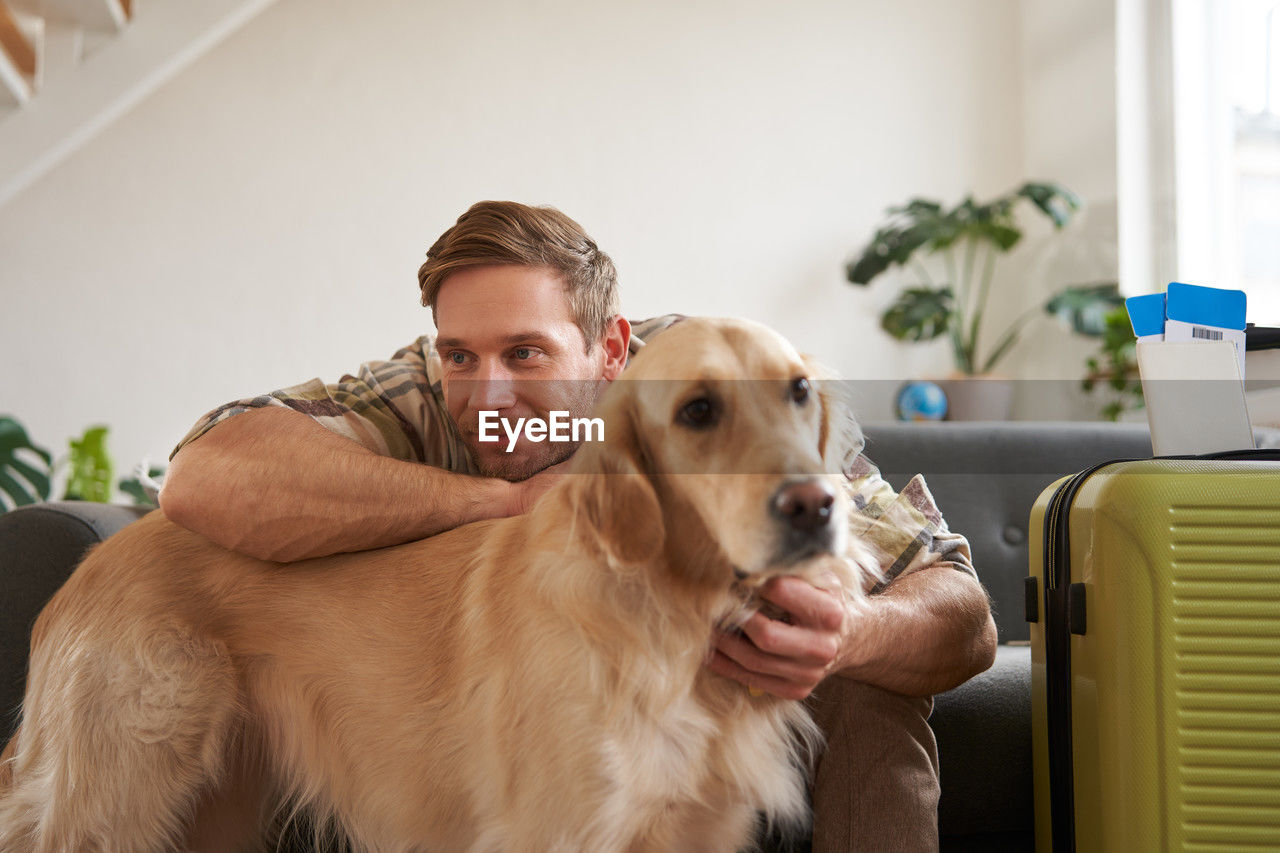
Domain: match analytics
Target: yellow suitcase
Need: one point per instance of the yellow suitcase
(1154, 603)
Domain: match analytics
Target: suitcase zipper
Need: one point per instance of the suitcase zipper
(1057, 643)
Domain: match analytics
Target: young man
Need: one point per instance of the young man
(521, 296)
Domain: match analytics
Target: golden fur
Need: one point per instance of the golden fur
(535, 683)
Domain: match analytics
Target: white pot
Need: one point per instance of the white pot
(978, 398)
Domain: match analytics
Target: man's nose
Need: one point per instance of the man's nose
(493, 388)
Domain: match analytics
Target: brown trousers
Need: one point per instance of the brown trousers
(876, 785)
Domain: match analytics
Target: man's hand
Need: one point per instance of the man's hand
(787, 659)
(927, 633)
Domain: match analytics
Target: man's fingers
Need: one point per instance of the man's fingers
(751, 658)
(809, 606)
(722, 664)
(791, 642)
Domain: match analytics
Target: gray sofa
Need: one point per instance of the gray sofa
(984, 476)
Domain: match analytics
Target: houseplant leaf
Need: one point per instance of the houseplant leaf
(90, 477)
(1085, 307)
(1054, 200)
(23, 482)
(1005, 237)
(889, 246)
(133, 487)
(919, 314)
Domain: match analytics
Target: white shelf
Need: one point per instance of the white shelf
(101, 15)
(21, 42)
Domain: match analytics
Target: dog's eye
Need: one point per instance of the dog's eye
(800, 389)
(698, 413)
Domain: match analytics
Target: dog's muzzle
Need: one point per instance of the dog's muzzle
(804, 508)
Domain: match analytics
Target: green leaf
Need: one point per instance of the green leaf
(1003, 236)
(919, 314)
(1054, 200)
(919, 208)
(13, 436)
(23, 482)
(19, 495)
(888, 247)
(91, 475)
(1085, 308)
(133, 487)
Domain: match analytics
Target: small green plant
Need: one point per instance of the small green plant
(922, 228)
(90, 467)
(27, 471)
(1115, 367)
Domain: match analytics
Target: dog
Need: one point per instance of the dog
(532, 683)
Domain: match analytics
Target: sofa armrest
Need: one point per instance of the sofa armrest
(983, 729)
(40, 545)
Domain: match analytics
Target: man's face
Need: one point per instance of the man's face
(509, 344)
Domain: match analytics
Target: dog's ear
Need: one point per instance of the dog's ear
(618, 501)
(840, 439)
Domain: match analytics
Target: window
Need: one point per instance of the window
(1226, 80)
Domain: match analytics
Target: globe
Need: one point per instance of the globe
(921, 401)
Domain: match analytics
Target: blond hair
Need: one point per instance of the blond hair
(506, 232)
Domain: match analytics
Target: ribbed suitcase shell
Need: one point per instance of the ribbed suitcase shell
(1175, 684)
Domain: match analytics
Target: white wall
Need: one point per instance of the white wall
(1068, 61)
(260, 219)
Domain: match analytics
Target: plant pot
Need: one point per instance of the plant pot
(978, 398)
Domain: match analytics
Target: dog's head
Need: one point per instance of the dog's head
(723, 447)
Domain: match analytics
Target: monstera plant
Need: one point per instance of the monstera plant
(964, 242)
(24, 467)
(27, 471)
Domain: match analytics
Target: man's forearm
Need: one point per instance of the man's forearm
(926, 633)
(276, 485)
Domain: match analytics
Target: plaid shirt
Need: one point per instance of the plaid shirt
(396, 408)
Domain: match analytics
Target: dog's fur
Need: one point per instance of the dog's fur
(534, 683)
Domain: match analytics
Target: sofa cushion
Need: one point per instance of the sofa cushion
(985, 478)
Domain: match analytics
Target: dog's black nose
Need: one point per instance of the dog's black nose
(805, 505)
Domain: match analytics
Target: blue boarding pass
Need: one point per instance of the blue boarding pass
(1195, 313)
(1146, 315)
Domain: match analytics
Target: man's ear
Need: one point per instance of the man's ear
(617, 500)
(616, 345)
(840, 439)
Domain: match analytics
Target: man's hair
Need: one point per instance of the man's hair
(506, 232)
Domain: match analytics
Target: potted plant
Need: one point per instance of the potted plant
(967, 239)
(27, 471)
(1115, 368)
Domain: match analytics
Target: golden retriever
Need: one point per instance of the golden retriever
(534, 683)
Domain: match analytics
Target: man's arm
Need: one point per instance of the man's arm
(273, 484)
(926, 633)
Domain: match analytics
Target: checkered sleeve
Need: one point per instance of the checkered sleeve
(393, 408)
(904, 530)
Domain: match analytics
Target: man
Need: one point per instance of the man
(394, 454)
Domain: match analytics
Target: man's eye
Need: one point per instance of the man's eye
(523, 353)
(457, 358)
